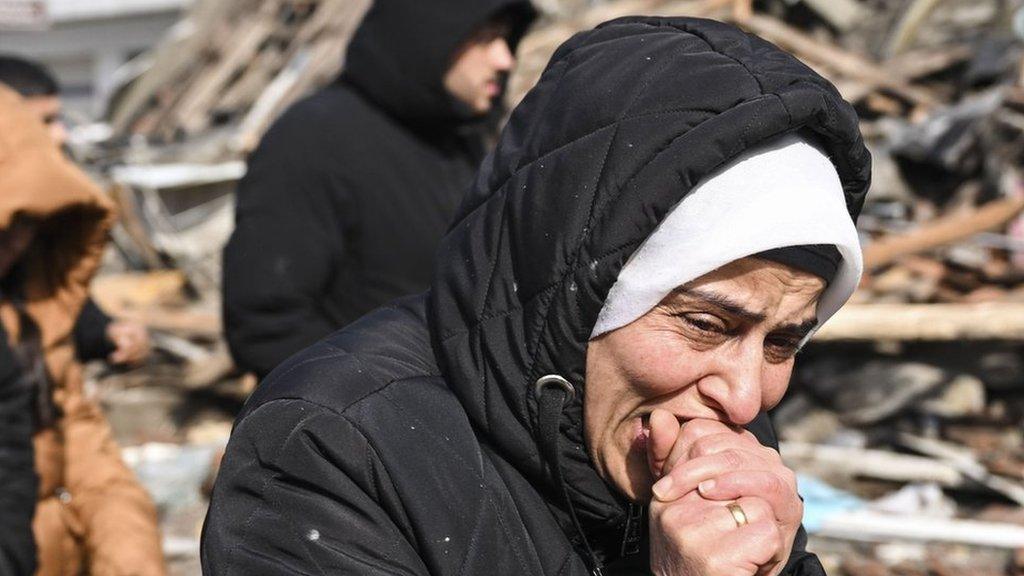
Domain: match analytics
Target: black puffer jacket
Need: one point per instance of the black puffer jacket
(415, 441)
(351, 190)
(17, 468)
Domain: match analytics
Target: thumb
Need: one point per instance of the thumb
(662, 434)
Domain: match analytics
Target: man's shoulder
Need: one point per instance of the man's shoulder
(335, 107)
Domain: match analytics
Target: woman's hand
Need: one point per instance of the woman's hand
(703, 466)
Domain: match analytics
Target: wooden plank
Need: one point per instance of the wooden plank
(183, 322)
(868, 526)
(942, 231)
(192, 113)
(909, 24)
(964, 461)
(175, 58)
(307, 67)
(128, 218)
(247, 89)
(909, 66)
(742, 10)
(844, 62)
(869, 463)
(925, 322)
(842, 14)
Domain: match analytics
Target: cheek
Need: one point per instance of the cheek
(659, 365)
(776, 382)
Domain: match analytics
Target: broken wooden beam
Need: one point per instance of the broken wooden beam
(868, 526)
(842, 61)
(941, 232)
(925, 322)
(871, 463)
(964, 461)
(842, 14)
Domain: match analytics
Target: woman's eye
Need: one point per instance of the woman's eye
(782, 348)
(706, 323)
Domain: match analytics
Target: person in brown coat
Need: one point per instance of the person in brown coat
(92, 516)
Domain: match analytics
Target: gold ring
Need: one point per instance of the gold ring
(737, 514)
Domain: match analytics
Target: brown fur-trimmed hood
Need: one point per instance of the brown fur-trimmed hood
(37, 181)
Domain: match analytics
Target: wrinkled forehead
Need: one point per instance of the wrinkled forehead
(755, 289)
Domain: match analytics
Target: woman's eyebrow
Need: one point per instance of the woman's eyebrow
(723, 303)
(802, 329)
(729, 306)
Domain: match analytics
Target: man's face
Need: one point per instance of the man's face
(720, 347)
(475, 75)
(48, 109)
(14, 241)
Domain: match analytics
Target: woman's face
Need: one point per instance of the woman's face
(720, 347)
(14, 241)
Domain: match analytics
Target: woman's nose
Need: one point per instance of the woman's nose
(738, 385)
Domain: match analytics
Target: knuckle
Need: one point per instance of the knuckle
(789, 476)
(771, 454)
(702, 447)
(763, 510)
(732, 458)
(775, 485)
(798, 509)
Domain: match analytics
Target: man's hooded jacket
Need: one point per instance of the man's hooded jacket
(91, 515)
(416, 441)
(351, 190)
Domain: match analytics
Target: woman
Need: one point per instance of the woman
(92, 516)
(667, 218)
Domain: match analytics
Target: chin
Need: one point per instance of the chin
(627, 471)
(639, 479)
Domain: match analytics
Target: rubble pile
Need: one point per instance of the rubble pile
(904, 417)
(235, 66)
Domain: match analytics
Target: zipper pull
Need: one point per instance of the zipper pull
(634, 532)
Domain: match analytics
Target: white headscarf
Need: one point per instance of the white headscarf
(785, 193)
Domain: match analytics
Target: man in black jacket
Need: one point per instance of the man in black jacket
(666, 218)
(350, 191)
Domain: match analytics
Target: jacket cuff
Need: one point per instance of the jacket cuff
(91, 342)
(804, 564)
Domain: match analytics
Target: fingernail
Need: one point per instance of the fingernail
(706, 486)
(661, 487)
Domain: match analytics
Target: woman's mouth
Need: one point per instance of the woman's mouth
(642, 431)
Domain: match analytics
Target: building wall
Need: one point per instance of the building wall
(84, 48)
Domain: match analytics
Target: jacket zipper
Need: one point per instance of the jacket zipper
(633, 534)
